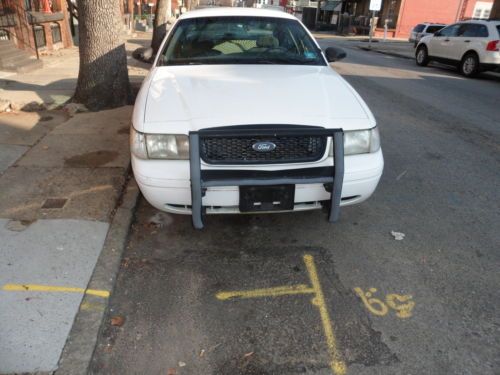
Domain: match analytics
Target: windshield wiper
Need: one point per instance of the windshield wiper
(284, 60)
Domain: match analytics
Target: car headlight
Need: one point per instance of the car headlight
(159, 146)
(360, 142)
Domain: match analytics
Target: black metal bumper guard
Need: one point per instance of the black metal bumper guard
(201, 179)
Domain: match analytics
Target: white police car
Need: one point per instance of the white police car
(242, 113)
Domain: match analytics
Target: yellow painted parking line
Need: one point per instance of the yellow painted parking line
(337, 365)
(266, 292)
(50, 288)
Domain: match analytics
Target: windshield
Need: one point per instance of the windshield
(240, 40)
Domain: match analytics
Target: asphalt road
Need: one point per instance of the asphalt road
(352, 298)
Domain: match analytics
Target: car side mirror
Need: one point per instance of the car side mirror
(333, 54)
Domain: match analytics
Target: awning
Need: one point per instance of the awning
(332, 6)
(41, 17)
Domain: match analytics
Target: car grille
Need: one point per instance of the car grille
(238, 150)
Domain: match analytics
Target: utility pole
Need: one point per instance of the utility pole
(317, 15)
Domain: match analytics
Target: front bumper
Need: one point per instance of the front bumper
(201, 180)
(173, 185)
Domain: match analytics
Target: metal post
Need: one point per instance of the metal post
(338, 178)
(34, 39)
(385, 29)
(371, 29)
(71, 20)
(318, 9)
(195, 169)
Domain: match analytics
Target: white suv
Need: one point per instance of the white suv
(242, 113)
(473, 46)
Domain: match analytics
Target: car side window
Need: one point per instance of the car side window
(451, 30)
(433, 29)
(419, 28)
(473, 30)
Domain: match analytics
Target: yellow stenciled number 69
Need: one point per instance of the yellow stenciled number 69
(374, 305)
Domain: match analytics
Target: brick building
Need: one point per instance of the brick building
(35, 25)
(403, 15)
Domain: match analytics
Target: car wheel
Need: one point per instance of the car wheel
(422, 56)
(469, 66)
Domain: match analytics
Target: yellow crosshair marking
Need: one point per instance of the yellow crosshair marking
(336, 363)
(50, 288)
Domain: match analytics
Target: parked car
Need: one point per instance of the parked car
(472, 46)
(423, 29)
(241, 112)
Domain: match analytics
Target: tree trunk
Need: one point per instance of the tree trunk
(131, 12)
(103, 76)
(160, 24)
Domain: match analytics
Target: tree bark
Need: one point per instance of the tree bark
(160, 24)
(103, 76)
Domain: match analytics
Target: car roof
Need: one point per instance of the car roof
(484, 22)
(236, 11)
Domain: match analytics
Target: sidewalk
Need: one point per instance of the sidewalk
(55, 83)
(66, 203)
(57, 202)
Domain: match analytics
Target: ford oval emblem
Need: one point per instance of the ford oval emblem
(264, 146)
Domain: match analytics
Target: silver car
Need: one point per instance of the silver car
(423, 29)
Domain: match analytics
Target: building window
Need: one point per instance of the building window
(40, 37)
(4, 35)
(482, 10)
(56, 33)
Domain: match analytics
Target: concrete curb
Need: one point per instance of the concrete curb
(80, 345)
(385, 52)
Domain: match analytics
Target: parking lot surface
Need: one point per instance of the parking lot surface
(292, 294)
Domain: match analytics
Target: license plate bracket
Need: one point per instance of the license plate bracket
(267, 198)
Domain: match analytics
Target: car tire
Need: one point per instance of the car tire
(422, 56)
(469, 66)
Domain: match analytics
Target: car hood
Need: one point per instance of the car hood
(178, 99)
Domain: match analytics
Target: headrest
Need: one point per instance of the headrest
(267, 41)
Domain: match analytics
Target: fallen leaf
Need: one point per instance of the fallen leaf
(171, 371)
(182, 364)
(117, 321)
(202, 353)
(247, 355)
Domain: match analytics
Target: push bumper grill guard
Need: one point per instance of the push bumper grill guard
(201, 179)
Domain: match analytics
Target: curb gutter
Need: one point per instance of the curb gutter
(395, 54)
(80, 345)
